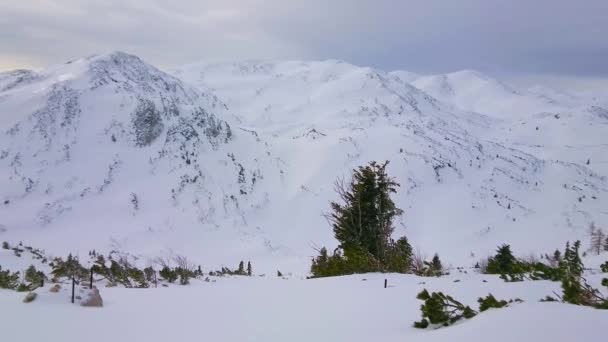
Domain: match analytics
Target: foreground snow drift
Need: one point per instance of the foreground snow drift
(353, 308)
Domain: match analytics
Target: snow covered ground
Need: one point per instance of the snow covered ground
(351, 308)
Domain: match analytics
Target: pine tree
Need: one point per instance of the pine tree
(241, 270)
(33, 276)
(503, 263)
(433, 268)
(365, 218)
(249, 269)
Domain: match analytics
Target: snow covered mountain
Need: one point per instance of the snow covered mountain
(109, 151)
(115, 154)
(465, 182)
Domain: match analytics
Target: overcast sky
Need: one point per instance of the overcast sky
(564, 37)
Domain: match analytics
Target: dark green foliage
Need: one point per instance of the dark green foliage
(34, 277)
(604, 267)
(432, 268)
(365, 218)
(8, 280)
(279, 274)
(5, 245)
(503, 262)
(548, 299)
(184, 275)
(241, 270)
(399, 256)
(168, 274)
(363, 224)
(605, 282)
(120, 272)
(249, 269)
(441, 309)
(23, 288)
(490, 302)
(540, 271)
(353, 261)
(70, 268)
(575, 289)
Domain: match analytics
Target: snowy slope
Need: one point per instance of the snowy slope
(353, 308)
(466, 186)
(112, 153)
(109, 152)
(474, 91)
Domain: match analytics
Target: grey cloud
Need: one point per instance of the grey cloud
(552, 36)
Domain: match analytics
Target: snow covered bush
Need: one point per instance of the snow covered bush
(8, 279)
(441, 309)
(490, 302)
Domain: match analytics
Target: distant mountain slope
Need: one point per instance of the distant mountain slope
(474, 91)
(108, 152)
(464, 182)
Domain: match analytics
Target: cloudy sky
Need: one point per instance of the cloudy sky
(563, 37)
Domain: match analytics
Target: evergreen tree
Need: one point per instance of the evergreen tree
(33, 276)
(365, 218)
(241, 270)
(435, 268)
(503, 263)
(8, 280)
(249, 269)
(399, 256)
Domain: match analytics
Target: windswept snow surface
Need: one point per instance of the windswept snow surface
(352, 308)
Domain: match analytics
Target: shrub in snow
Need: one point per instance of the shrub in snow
(150, 274)
(575, 289)
(55, 288)
(441, 309)
(503, 262)
(548, 299)
(120, 272)
(168, 274)
(604, 267)
(70, 268)
(34, 277)
(8, 280)
(22, 288)
(5, 245)
(491, 302)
